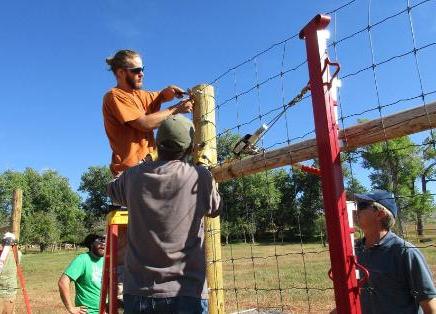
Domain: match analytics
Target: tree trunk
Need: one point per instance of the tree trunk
(395, 190)
(42, 247)
(419, 230)
(419, 225)
(419, 221)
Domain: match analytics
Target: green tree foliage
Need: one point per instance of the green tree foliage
(270, 202)
(226, 230)
(41, 228)
(51, 209)
(308, 187)
(93, 183)
(9, 181)
(288, 205)
(396, 165)
(352, 184)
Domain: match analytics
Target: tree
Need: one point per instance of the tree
(288, 201)
(396, 164)
(9, 181)
(41, 228)
(51, 209)
(425, 204)
(308, 188)
(352, 184)
(93, 183)
(226, 230)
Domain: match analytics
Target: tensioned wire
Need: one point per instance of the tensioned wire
(372, 67)
(284, 72)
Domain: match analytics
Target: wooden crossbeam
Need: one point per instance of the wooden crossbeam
(393, 126)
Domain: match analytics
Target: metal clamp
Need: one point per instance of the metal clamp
(327, 62)
(361, 281)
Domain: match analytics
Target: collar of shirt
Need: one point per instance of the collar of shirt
(381, 243)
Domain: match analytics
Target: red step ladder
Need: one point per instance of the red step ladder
(116, 225)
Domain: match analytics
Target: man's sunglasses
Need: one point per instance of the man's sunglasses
(135, 70)
(100, 241)
(364, 205)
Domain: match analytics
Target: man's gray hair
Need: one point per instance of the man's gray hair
(389, 221)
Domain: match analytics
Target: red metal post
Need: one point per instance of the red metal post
(22, 280)
(326, 128)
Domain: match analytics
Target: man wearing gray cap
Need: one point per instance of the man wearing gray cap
(167, 199)
(399, 278)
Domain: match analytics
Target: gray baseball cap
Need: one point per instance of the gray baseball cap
(175, 134)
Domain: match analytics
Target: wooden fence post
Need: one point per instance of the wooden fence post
(16, 212)
(205, 153)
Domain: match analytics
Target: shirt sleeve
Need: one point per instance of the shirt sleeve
(122, 108)
(419, 275)
(214, 198)
(151, 102)
(116, 189)
(75, 269)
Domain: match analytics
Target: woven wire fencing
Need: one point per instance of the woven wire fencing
(275, 252)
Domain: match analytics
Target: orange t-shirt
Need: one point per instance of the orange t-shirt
(129, 145)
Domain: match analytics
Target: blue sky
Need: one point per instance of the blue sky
(54, 75)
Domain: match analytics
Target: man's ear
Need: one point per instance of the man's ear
(381, 214)
(120, 73)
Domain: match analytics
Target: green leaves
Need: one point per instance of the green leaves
(51, 209)
(93, 184)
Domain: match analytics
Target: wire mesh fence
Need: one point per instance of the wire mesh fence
(275, 256)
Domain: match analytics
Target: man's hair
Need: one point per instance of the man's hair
(168, 155)
(90, 238)
(121, 59)
(175, 138)
(388, 221)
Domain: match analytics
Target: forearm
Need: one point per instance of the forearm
(152, 121)
(168, 93)
(64, 292)
(428, 306)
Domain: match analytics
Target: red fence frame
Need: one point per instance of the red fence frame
(326, 128)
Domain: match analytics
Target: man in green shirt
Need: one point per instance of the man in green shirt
(86, 273)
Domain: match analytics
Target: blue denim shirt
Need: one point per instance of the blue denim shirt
(399, 277)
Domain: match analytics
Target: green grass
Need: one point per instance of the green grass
(248, 282)
(42, 271)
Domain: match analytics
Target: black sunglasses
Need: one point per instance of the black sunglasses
(100, 241)
(364, 205)
(135, 70)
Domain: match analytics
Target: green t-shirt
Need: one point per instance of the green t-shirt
(86, 272)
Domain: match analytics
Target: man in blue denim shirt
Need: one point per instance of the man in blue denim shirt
(167, 199)
(399, 278)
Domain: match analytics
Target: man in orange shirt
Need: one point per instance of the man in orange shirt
(131, 113)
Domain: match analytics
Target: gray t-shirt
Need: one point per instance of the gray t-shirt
(399, 277)
(166, 202)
